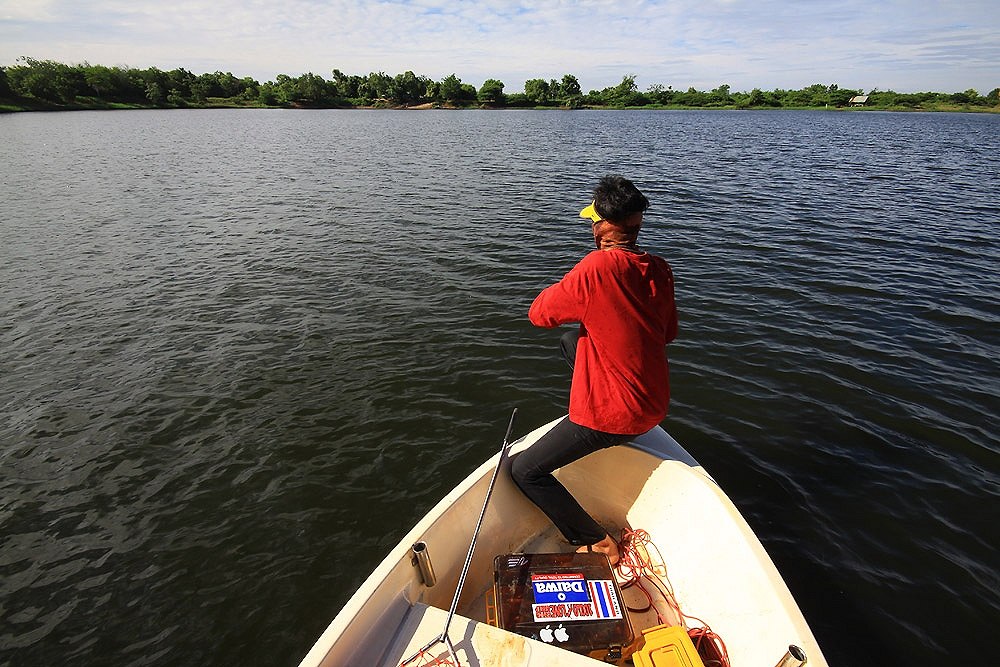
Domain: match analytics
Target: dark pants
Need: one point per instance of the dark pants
(565, 443)
(532, 472)
(567, 345)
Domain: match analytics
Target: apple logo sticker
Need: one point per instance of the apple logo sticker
(561, 634)
(546, 634)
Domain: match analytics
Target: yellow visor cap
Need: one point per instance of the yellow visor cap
(591, 214)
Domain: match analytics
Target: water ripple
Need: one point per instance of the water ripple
(243, 351)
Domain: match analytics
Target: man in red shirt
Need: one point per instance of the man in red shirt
(623, 299)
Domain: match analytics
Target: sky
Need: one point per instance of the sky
(902, 45)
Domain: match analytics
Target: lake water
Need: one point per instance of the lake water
(244, 351)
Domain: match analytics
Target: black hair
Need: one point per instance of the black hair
(616, 198)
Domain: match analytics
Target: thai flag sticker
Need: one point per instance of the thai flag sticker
(605, 601)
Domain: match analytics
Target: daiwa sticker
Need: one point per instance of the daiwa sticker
(551, 588)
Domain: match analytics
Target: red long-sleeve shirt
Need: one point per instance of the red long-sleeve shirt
(624, 303)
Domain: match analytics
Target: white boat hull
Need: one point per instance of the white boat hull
(719, 571)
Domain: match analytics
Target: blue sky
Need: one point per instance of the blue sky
(902, 45)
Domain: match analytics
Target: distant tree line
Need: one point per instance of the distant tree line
(90, 86)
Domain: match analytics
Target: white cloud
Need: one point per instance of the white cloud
(899, 44)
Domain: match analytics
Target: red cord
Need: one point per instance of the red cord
(635, 564)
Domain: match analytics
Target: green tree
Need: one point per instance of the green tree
(625, 94)
(250, 88)
(774, 98)
(693, 98)
(555, 90)
(450, 89)
(841, 97)
(155, 94)
(969, 96)
(491, 92)
(200, 89)
(45, 80)
(348, 86)
(141, 82)
(801, 97)
(593, 97)
(228, 85)
(570, 86)
(407, 88)
(309, 90)
(518, 100)
(312, 90)
(267, 95)
(883, 98)
(468, 93)
(376, 86)
(5, 90)
(537, 90)
(432, 90)
(285, 90)
(816, 95)
(179, 82)
(101, 80)
(660, 94)
(720, 96)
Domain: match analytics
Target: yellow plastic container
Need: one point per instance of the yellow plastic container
(667, 646)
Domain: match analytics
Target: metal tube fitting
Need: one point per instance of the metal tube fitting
(795, 657)
(422, 560)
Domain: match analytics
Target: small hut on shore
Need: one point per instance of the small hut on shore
(859, 101)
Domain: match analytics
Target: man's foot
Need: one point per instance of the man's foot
(606, 546)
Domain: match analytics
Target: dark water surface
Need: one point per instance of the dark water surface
(244, 351)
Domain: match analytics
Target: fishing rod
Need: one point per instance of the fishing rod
(443, 638)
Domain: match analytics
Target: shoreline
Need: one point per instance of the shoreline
(24, 105)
